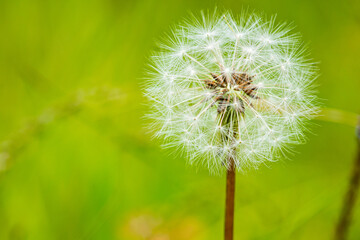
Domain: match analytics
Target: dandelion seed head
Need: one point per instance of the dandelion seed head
(224, 87)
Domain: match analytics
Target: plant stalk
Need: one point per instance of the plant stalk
(229, 204)
(351, 195)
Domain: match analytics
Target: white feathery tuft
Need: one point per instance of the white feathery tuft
(231, 88)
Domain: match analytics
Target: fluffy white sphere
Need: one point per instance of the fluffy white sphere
(230, 90)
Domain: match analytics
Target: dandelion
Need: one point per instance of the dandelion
(231, 92)
(225, 88)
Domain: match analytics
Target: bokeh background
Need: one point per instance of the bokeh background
(77, 163)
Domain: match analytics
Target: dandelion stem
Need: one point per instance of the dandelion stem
(351, 195)
(229, 205)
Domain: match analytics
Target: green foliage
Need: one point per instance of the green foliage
(79, 164)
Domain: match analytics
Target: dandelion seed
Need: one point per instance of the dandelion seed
(231, 91)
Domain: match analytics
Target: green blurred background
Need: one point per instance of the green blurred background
(77, 163)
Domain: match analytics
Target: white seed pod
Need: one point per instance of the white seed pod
(229, 90)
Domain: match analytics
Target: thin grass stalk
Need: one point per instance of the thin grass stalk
(344, 221)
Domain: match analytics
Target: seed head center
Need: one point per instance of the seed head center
(231, 89)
